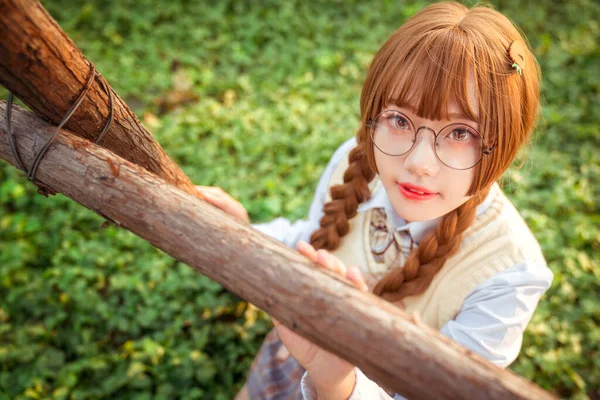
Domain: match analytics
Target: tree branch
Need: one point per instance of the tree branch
(379, 338)
(42, 66)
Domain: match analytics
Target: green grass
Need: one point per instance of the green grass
(98, 313)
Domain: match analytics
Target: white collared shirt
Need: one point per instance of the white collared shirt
(493, 316)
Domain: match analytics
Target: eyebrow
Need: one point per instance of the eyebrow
(404, 104)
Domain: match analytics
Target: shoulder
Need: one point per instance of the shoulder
(502, 229)
(337, 167)
(528, 276)
(519, 232)
(509, 297)
(499, 240)
(341, 154)
(338, 161)
(496, 312)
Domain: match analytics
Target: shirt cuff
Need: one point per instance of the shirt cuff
(309, 392)
(308, 388)
(364, 389)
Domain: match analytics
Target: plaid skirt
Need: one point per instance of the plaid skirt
(274, 374)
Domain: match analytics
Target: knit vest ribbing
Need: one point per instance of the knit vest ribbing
(498, 239)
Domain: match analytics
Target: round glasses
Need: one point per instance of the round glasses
(458, 146)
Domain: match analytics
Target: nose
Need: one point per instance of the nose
(421, 159)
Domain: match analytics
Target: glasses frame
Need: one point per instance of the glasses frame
(371, 126)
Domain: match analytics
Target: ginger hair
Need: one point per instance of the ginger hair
(444, 50)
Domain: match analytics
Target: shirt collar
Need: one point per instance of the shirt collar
(418, 229)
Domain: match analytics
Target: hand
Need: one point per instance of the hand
(221, 199)
(329, 373)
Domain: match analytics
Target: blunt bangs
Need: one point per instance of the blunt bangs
(436, 69)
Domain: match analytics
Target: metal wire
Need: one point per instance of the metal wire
(31, 173)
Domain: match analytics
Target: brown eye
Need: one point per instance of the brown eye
(461, 134)
(398, 121)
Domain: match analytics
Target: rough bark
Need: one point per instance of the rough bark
(42, 66)
(382, 340)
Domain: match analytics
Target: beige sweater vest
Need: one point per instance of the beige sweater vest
(498, 239)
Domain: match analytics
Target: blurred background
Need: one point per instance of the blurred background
(255, 97)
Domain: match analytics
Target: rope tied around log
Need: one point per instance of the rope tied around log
(31, 173)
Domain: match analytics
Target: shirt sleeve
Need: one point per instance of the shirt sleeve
(364, 389)
(494, 315)
(491, 322)
(289, 233)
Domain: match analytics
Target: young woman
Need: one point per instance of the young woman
(413, 202)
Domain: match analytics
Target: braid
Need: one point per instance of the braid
(345, 199)
(448, 49)
(426, 260)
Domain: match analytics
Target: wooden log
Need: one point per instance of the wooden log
(412, 359)
(42, 66)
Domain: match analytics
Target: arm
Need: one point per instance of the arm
(495, 314)
(287, 232)
(290, 233)
(491, 323)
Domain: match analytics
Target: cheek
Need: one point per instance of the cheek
(458, 184)
(377, 162)
(466, 180)
(385, 165)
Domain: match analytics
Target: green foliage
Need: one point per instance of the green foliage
(255, 98)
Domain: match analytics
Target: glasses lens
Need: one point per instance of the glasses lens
(459, 146)
(392, 133)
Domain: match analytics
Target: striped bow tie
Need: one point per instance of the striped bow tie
(389, 246)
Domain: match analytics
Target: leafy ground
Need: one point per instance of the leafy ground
(255, 99)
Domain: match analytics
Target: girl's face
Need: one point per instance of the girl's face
(420, 171)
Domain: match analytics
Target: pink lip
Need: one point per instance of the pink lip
(407, 190)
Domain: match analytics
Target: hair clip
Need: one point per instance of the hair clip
(516, 52)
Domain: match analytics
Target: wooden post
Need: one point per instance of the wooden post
(42, 66)
(412, 359)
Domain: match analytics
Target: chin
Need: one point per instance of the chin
(415, 212)
(418, 217)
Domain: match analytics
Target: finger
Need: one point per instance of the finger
(307, 250)
(281, 329)
(205, 188)
(217, 197)
(214, 199)
(339, 264)
(335, 263)
(356, 277)
(219, 194)
(325, 261)
(224, 205)
(214, 190)
(201, 194)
